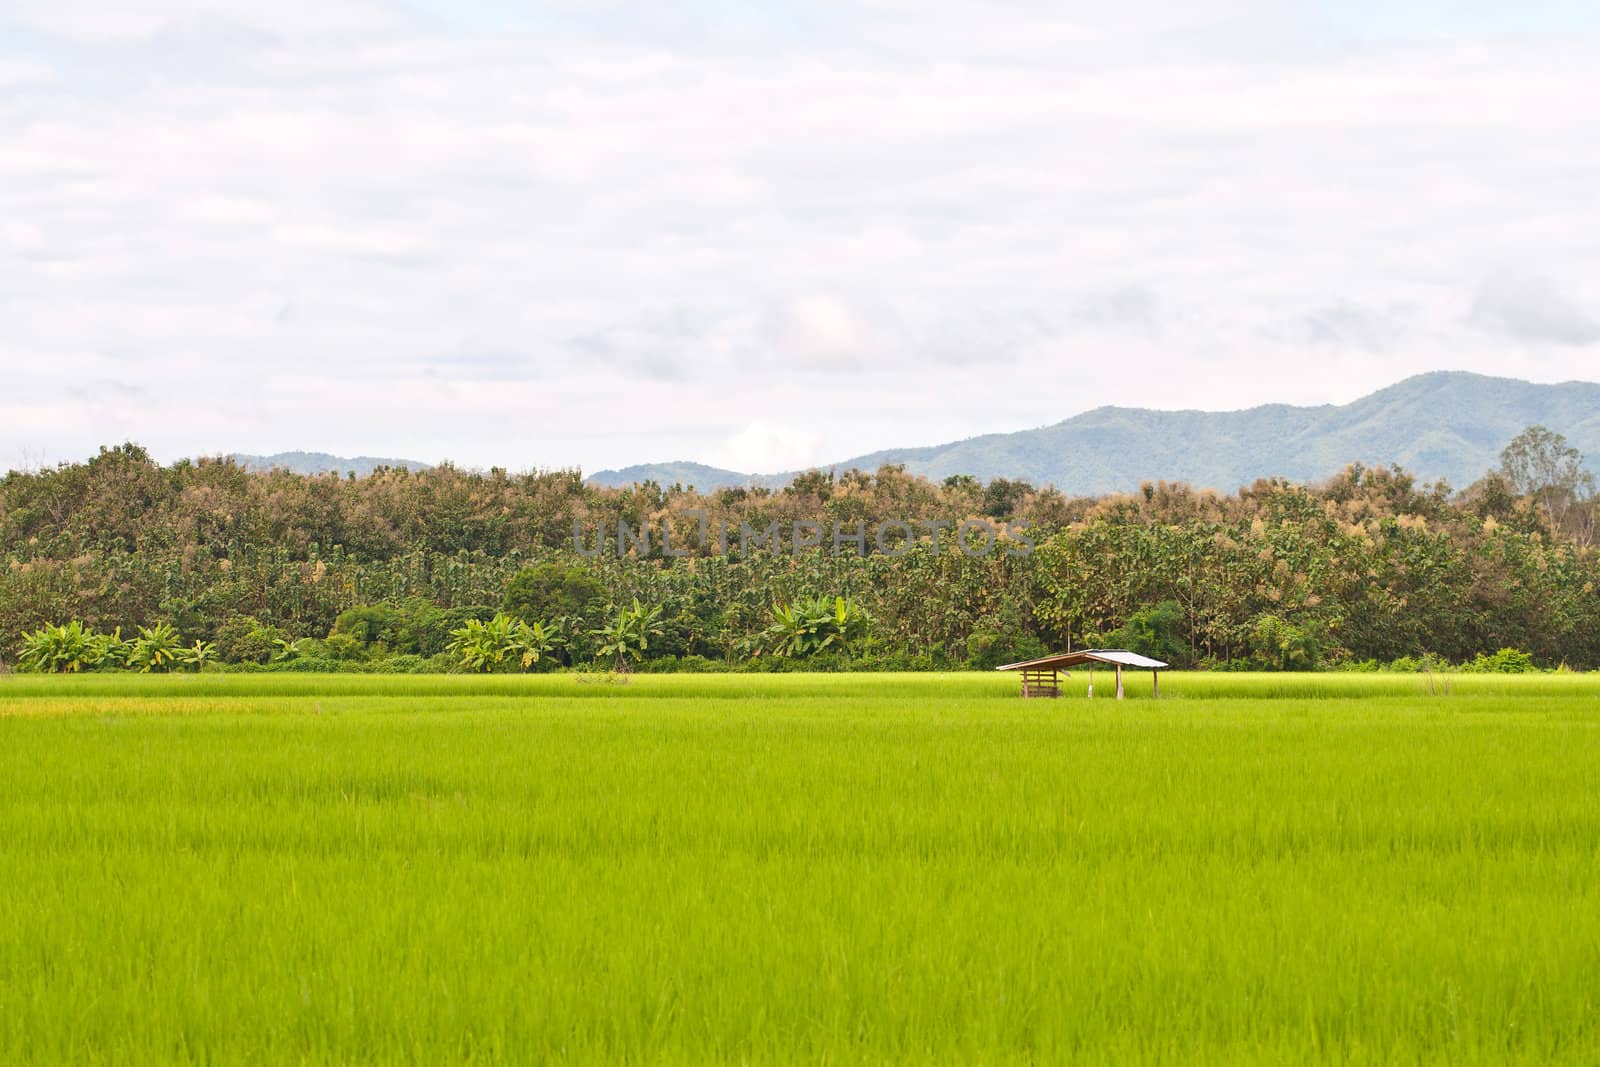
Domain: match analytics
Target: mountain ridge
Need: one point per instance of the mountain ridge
(1441, 424)
(321, 463)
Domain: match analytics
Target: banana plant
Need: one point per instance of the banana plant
(800, 629)
(111, 651)
(198, 656)
(628, 638)
(64, 649)
(486, 646)
(814, 625)
(157, 648)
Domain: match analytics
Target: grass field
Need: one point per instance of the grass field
(792, 868)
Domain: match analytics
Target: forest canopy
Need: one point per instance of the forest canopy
(1366, 566)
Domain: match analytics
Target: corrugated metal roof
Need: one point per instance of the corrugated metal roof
(1126, 658)
(1088, 655)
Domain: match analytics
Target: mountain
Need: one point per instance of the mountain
(1447, 424)
(684, 473)
(322, 463)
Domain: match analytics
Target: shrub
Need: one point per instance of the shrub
(425, 629)
(1152, 631)
(403, 664)
(1418, 664)
(1505, 661)
(368, 624)
(199, 656)
(685, 665)
(779, 665)
(243, 639)
(628, 639)
(1229, 666)
(156, 649)
(901, 660)
(111, 651)
(343, 646)
(64, 649)
(292, 648)
(441, 663)
(503, 642)
(305, 664)
(553, 591)
(815, 625)
(987, 650)
(1282, 646)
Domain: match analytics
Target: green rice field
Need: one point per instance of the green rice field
(799, 869)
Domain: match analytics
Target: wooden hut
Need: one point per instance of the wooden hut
(1041, 677)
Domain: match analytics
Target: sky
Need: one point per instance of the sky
(764, 234)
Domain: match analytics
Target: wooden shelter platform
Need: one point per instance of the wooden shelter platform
(1040, 677)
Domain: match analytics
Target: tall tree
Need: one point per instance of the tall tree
(1542, 465)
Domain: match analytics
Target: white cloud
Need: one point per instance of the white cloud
(344, 225)
(761, 447)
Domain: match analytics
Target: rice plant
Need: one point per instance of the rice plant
(771, 869)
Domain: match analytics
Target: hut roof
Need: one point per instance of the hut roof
(1064, 660)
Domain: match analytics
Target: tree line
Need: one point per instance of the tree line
(1370, 566)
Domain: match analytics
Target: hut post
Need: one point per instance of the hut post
(1119, 681)
(1155, 683)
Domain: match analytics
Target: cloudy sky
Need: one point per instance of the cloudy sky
(762, 233)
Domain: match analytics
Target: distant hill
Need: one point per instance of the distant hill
(1447, 424)
(683, 473)
(322, 463)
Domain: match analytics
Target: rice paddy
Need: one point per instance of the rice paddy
(799, 868)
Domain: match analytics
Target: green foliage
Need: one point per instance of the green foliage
(1154, 631)
(1003, 497)
(1368, 565)
(1505, 661)
(987, 649)
(198, 655)
(367, 625)
(627, 639)
(62, 649)
(308, 663)
(426, 629)
(157, 649)
(553, 591)
(243, 639)
(816, 625)
(404, 664)
(501, 643)
(109, 651)
(343, 647)
(1418, 664)
(1540, 464)
(1282, 646)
